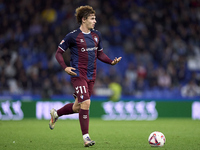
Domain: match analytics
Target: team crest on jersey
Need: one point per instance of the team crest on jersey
(81, 96)
(62, 41)
(96, 39)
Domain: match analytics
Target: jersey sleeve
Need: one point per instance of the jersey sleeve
(100, 46)
(103, 57)
(59, 58)
(65, 43)
(100, 54)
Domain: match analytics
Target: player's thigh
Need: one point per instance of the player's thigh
(81, 89)
(76, 105)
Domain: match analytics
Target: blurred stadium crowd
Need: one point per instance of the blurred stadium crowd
(158, 40)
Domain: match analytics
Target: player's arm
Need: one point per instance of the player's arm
(104, 58)
(59, 58)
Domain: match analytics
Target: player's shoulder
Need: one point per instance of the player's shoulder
(75, 31)
(96, 31)
(72, 33)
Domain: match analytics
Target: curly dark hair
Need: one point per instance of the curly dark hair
(83, 12)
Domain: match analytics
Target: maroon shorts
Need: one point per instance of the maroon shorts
(83, 88)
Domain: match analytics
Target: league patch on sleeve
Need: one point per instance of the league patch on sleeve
(62, 41)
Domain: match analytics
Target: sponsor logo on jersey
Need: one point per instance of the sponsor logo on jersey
(81, 40)
(89, 49)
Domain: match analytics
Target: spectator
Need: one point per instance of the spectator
(116, 89)
(191, 89)
(164, 79)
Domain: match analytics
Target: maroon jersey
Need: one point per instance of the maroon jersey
(85, 48)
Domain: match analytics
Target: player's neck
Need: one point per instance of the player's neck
(84, 29)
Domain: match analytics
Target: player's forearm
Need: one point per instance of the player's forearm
(103, 57)
(59, 58)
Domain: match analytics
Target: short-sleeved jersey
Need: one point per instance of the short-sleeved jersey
(83, 48)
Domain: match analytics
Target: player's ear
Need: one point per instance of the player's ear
(83, 19)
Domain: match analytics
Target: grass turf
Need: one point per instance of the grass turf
(32, 134)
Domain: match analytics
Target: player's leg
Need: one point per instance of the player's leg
(67, 109)
(76, 107)
(84, 116)
(84, 122)
(81, 87)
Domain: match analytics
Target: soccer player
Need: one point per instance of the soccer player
(85, 46)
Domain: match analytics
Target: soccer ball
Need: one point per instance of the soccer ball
(156, 139)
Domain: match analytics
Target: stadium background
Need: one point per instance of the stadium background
(158, 40)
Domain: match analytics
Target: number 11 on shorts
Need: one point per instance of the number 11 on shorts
(81, 88)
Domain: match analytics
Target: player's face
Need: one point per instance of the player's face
(90, 21)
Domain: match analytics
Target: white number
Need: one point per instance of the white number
(81, 88)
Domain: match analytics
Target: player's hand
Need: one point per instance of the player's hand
(69, 71)
(116, 60)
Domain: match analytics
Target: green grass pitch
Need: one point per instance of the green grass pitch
(32, 134)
